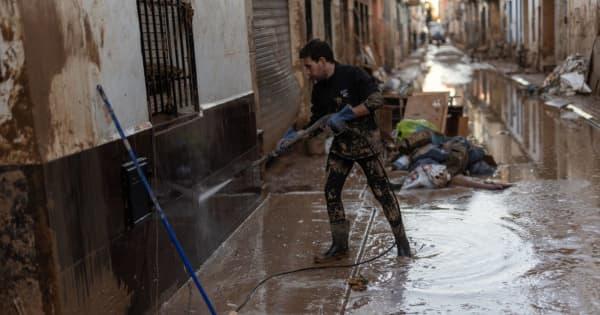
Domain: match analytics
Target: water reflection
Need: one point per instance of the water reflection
(472, 258)
(445, 73)
(521, 129)
(531, 249)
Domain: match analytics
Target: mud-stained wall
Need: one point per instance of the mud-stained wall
(532, 27)
(495, 34)
(69, 47)
(19, 268)
(560, 36)
(222, 49)
(298, 40)
(582, 27)
(17, 139)
(318, 19)
(337, 24)
(378, 31)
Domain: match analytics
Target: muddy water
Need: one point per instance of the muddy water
(534, 248)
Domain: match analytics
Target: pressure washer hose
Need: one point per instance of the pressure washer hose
(310, 268)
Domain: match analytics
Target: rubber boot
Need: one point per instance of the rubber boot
(401, 241)
(339, 245)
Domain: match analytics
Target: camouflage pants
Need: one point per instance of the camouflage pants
(338, 169)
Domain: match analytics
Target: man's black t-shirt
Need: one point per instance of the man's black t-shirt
(348, 85)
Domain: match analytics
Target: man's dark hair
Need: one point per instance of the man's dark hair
(316, 49)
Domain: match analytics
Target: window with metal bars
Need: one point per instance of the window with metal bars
(327, 20)
(169, 59)
(361, 23)
(308, 19)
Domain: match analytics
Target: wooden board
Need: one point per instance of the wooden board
(594, 73)
(384, 119)
(463, 126)
(431, 106)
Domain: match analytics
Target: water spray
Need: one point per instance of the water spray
(163, 217)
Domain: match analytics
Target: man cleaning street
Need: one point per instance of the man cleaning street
(351, 97)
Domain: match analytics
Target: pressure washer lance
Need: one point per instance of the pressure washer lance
(163, 217)
(307, 269)
(320, 124)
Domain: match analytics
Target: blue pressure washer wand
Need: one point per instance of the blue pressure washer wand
(163, 217)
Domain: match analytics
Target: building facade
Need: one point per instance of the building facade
(527, 31)
(182, 89)
(201, 87)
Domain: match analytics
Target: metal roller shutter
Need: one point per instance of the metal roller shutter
(278, 90)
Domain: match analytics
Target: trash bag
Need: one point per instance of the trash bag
(406, 127)
(421, 162)
(427, 176)
(574, 81)
(476, 154)
(481, 168)
(402, 163)
(458, 158)
(568, 78)
(430, 151)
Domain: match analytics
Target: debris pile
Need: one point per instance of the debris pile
(358, 283)
(568, 78)
(432, 159)
(398, 86)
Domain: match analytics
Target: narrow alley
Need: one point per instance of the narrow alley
(530, 249)
(299, 157)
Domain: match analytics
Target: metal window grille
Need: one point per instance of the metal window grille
(327, 20)
(168, 54)
(308, 19)
(356, 21)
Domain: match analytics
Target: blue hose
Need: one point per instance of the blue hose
(163, 217)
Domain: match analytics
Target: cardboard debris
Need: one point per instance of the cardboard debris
(463, 126)
(574, 81)
(432, 106)
(557, 102)
(569, 77)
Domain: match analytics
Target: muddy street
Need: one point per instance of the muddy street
(532, 248)
(299, 157)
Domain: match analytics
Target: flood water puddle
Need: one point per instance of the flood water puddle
(534, 248)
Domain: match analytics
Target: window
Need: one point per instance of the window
(168, 55)
(361, 22)
(327, 18)
(399, 17)
(308, 19)
(356, 22)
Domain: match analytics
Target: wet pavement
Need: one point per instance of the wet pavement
(533, 248)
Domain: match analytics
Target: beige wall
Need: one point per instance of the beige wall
(57, 53)
(298, 40)
(222, 50)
